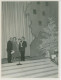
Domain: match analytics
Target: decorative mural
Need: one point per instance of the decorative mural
(43, 27)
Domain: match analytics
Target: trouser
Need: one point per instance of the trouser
(9, 56)
(22, 55)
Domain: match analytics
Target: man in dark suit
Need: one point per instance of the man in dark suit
(9, 49)
(22, 46)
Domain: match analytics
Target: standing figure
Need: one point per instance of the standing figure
(9, 49)
(22, 46)
(19, 40)
(15, 49)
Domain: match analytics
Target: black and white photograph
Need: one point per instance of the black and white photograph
(29, 39)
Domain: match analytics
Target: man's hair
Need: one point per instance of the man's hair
(14, 37)
(23, 37)
(10, 38)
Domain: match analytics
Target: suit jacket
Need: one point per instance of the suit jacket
(9, 46)
(24, 45)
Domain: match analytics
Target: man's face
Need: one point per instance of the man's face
(14, 39)
(10, 39)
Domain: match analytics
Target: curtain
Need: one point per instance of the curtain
(15, 24)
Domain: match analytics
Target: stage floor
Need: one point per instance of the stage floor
(42, 68)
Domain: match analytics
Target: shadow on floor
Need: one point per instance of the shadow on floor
(27, 58)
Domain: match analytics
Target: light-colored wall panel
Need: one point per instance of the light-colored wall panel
(15, 24)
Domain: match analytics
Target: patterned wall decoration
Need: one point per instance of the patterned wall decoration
(34, 11)
(43, 13)
(40, 23)
(46, 3)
